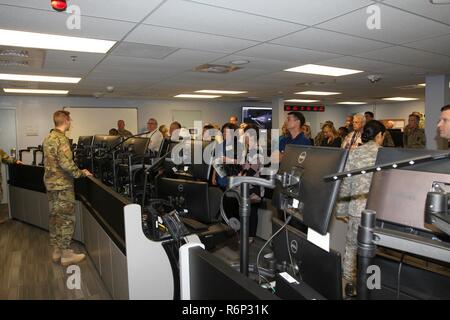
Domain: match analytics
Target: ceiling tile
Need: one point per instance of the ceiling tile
(186, 39)
(283, 53)
(140, 50)
(440, 45)
(299, 11)
(323, 40)
(424, 8)
(133, 11)
(208, 19)
(54, 23)
(397, 26)
(412, 57)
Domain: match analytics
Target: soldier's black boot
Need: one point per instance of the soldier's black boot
(350, 291)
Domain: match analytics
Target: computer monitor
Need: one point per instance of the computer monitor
(85, 141)
(104, 141)
(186, 160)
(190, 198)
(397, 137)
(262, 117)
(312, 200)
(136, 145)
(398, 196)
(318, 268)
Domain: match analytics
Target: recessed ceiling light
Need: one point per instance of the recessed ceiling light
(35, 78)
(197, 96)
(323, 70)
(301, 100)
(318, 93)
(54, 42)
(239, 62)
(221, 91)
(352, 102)
(400, 99)
(35, 91)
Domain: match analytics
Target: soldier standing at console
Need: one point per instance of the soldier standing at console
(58, 178)
(4, 158)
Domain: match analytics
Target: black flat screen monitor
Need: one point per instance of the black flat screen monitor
(186, 159)
(85, 141)
(104, 141)
(318, 268)
(314, 197)
(262, 117)
(190, 198)
(136, 145)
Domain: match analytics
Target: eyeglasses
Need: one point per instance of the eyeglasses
(151, 122)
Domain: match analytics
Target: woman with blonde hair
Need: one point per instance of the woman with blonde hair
(331, 136)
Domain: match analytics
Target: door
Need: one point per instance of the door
(7, 141)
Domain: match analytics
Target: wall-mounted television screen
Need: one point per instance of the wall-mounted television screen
(260, 116)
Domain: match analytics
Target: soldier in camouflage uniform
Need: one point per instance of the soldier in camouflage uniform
(413, 136)
(58, 178)
(4, 158)
(355, 190)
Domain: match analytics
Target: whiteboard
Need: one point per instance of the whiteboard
(186, 117)
(88, 121)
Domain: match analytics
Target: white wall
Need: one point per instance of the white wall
(37, 111)
(396, 110)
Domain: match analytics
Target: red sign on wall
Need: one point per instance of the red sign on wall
(305, 108)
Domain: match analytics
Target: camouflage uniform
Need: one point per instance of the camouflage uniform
(388, 141)
(352, 200)
(4, 158)
(124, 133)
(414, 138)
(58, 178)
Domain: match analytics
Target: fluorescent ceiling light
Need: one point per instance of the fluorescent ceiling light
(352, 102)
(318, 93)
(301, 100)
(323, 70)
(400, 99)
(199, 96)
(422, 84)
(221, 91)
(54, 42)
(35, 91)
(34, 78)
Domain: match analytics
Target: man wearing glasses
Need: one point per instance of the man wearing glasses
(353, 139)
(154, 134)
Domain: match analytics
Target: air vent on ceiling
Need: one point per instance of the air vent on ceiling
(216, 68)
(10, 63)
(139, 50)
(12, 52)
(19, 57)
